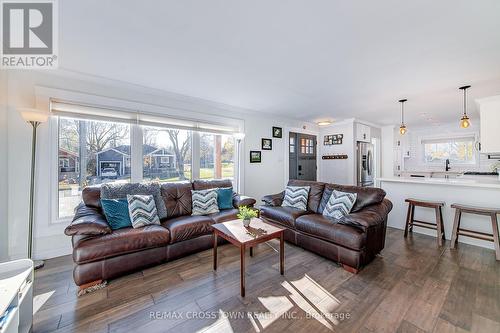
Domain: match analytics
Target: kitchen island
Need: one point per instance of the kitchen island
(482, 192)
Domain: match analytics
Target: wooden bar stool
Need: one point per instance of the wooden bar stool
(411, 222)
(492, 212)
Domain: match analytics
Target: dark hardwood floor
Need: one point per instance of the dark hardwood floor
(414, 286)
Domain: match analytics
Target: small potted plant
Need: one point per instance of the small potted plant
(247, 214)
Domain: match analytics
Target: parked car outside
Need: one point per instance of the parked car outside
(109, 173)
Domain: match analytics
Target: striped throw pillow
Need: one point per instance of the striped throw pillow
(204, 202)
(339, 204)
(296, 197)
(142, 210)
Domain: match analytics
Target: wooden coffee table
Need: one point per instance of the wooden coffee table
(258, 232)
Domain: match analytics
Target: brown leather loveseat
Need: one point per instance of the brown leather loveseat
(101, 253)
(352, 241)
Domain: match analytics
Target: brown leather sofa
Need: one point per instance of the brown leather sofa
(353, 241)
(101, 253)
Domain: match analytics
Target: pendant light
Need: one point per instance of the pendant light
(465, 121)
(402, 128)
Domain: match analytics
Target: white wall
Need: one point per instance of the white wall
(387, 144)
(258, 179)
(341, 171)
(3, 167)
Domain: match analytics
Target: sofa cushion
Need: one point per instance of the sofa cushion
(366, 196)
(204, 202)
(118, 191)
(120, 242)
(296, 197)
(142, 210)
(282, 215)
(209, 184)
(116, 212)
(224, 215)
(340, 204)
(330, 230)
(177, 198)
(225, 197)
(187, 227)
(315, 192)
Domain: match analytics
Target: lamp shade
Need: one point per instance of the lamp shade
(239, 136)
(33, 115)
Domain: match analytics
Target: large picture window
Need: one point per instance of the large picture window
(93, 152)
(89, 153)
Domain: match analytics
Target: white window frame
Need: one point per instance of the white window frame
(44, 96)
(474, 136)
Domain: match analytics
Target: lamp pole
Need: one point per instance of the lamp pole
(37, 263)
(33, 117)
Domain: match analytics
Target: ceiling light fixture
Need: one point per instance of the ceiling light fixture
(324, 123)
(465, 121)
(402, 127)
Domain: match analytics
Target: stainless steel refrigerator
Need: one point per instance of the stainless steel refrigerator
(365, 164)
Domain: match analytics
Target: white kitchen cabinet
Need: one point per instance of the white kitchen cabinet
(363, 133)
(489, 111)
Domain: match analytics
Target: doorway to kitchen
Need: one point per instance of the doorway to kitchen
(302, 152)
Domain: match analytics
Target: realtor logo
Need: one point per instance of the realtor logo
(29, 34)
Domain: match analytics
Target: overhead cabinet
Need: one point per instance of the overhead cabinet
(489, 110)
(363, 133)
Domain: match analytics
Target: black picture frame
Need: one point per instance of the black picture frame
(255, 156)
(277, 132)
(267, 144)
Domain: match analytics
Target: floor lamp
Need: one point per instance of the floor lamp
(33, 117)
(239, 137)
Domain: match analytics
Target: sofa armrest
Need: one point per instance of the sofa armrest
(370, 216)
(88, 221)
(241, 200)
(274, 199)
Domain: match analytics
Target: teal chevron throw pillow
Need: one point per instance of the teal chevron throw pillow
(116, 212)
(296, 197)
(225, 198)
(142, 210)
(204, 202)
(339, 204)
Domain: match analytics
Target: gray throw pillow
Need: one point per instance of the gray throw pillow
(118, 191)
(204, 202)
(296, 197)
(142, 210)
(339, 204)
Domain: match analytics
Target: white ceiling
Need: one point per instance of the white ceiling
(309, 59)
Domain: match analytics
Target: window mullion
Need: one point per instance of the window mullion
(195, 155)
(136, 140)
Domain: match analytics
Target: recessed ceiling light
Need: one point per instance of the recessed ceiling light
(324, 123)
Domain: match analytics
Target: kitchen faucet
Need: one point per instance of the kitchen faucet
(447, 165)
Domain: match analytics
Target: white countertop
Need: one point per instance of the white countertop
(478, 182)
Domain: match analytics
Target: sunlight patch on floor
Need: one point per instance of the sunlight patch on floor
(40, 300)
(221, 325)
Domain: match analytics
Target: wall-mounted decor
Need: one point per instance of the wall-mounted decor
(267, 144)
(334, 157)
(277, 132)
(335, 139)
(255, 156)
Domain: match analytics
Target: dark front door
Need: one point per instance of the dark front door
(302, 155)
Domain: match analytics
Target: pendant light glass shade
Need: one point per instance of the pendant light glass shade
(402, 127)
(464, 121)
